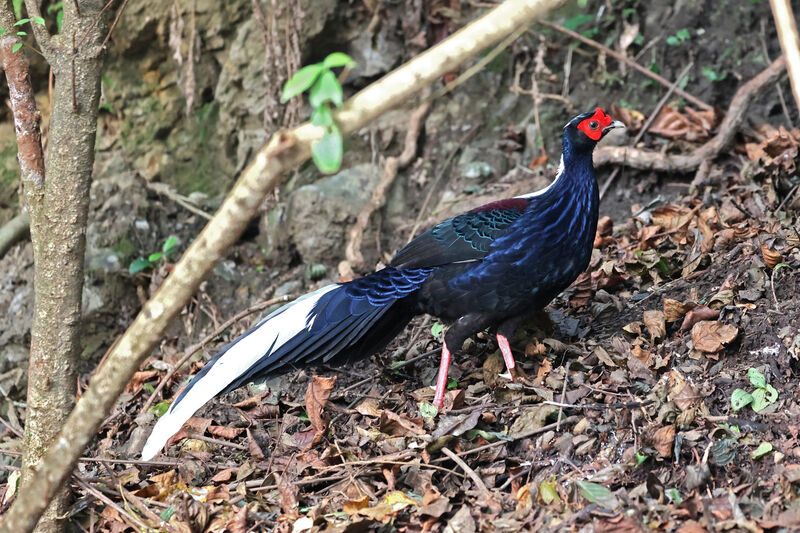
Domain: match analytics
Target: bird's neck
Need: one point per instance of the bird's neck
(575, 177)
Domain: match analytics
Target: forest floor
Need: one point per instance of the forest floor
(659, 392)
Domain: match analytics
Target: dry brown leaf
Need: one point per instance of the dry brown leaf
(712, 336)
(538, 161)
(252, 446)
(225, 432)
(686, 398)
(691, 526)
(691, 125)
(655, 322)
(671, 217)
(224, 475)
(354, 506)
(317, 395)
(701, 312)
(238, 523)
(674, 310)
(771, 257)
(249, 403)
(663, 439)
(389, 506)
(399, 425)
(369, 407)
(137, 381)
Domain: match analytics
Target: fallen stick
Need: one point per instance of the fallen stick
(790, 42)
(14, 231)
(652, 160)
(285, 151)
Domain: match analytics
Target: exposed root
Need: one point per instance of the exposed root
(378, 199)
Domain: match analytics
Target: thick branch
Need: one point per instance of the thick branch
(25, 111)
(651, 160)
(285, 151)
(790, 42)
(39, 31)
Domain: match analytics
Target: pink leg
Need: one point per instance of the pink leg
(441, 380)
(505, 348)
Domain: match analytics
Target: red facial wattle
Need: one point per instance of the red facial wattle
(594, 125)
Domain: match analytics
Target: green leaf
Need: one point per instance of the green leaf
(20, 22)
(428, 410)
(2, 31)
(763, 449)
(169, 245)
(756, 378)
(683, 34)
(160, 408)
(326, 89)
(451, 384)
(763, 398)
(577, 20)
(22, 33)
(338, 59)
(740, 398)
(436, 329)
(148, 388)
(598, 494)
(16, 47)
(55, 7)
(137, 265)
(302, 80)
(59, 20)
(640, 458)
(327, 152)
(17, 8)
(39, 20)
(167, 513)
(322, 116)
(674, 496)
(673, 41)
(155, 256)
(548, 492)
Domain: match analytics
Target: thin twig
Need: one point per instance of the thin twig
(165, 190)
(133, 521)
(628, 61)
(563, 396)
(470, 472)
(661, 103)
(114, 24)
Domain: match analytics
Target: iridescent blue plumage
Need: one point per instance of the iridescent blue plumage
(489, 266)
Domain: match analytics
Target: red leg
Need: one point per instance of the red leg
(441, 380)
(505, 348)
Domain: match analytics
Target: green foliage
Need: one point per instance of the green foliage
(436, 329)
(713, 75)
(17, 4)
(680, 37)
(160, 409)
(58, 9)
(142, 263)
(428, 410)
(167, 513)
(598, 494)
(763, 449)
(324, 90)
(763, 396)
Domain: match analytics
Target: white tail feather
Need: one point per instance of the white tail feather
(275, 330)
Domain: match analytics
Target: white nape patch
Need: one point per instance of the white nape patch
(559, 171)
(278, 328)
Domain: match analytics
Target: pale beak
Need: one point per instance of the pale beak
(615, 124)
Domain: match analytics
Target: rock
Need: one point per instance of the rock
(319, 215)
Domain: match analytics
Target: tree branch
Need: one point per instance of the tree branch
(39, 30)
(651, 160)
(286, 150)
(790, 42)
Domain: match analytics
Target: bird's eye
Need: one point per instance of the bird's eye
(593, 124)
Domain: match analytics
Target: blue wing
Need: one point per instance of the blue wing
(467, 237)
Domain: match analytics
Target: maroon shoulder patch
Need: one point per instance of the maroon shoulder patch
(510, 203)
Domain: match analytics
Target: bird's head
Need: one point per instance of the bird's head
(583, 131)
